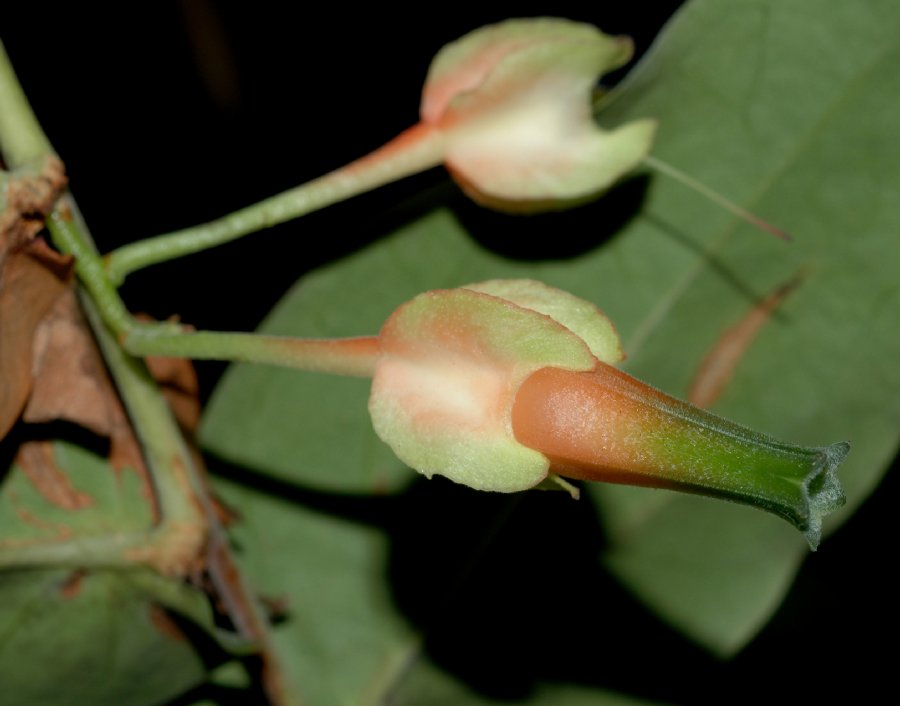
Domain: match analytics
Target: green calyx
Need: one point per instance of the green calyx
(451, 363)
(515, 101)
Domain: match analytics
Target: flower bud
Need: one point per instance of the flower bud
(514, 100)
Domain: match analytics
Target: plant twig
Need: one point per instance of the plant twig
(337, 356)
(415, 150)
(347, 356)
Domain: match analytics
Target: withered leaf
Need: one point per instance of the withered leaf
(71, 384)
(37, 461)
(178, 381)
(32, 278)
(28, 195)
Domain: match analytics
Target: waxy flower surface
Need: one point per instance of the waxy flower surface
(501, 384)
(508, 109)
(514, 100)
(452, 362)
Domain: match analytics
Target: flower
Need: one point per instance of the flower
(508, 110)
(515, 98)
(502, 384)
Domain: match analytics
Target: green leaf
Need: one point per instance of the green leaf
(342, 640)
(788, 108)
(94, 636)
(324, 559)
(801, 129)
(99, 638)
(75, 496)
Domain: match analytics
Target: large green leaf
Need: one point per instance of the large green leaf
(791, 108)
(342, 638)
(349, 570)
(100, 637)
(787, 107)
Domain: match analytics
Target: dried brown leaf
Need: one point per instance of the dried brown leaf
(27, 198)
(178, 380)
(71, 384)
(32, 278)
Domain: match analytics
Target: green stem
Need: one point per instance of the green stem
(184, 507)
(70, 240)
(106, 552)
(21, 137)
(419, 148)
(188, 522)
(348, 356)
(337, 356)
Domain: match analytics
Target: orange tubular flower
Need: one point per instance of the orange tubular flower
(503, 384)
